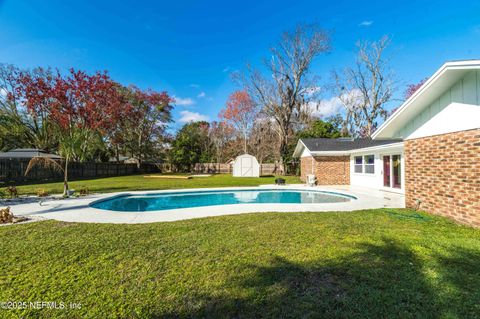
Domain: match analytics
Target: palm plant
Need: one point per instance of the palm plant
(75, 144)
(44, 162)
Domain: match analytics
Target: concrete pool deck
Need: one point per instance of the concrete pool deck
(78, 209)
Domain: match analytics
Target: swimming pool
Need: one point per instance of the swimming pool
(190, 199)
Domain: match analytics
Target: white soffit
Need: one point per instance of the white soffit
(385, 147)
(299, 149)
(442, 80)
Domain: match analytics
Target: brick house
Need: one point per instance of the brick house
(429, 149)
(344, 161)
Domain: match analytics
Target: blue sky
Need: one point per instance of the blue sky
(189, 48)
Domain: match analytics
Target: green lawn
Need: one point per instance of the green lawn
(370, 264)
(138, 182)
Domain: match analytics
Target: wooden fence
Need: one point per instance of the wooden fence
(13, 171)
(221, 168)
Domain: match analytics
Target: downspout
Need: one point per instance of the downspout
(313, 173)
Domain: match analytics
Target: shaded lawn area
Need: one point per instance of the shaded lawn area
(138, 182)
(367, 264)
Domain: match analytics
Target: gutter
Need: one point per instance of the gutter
(358, 150)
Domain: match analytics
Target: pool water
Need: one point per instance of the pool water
(174, 200)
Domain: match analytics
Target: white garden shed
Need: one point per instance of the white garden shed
(246, 165)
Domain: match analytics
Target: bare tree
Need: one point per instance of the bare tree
(365, 88)
(287, 88)
(221, 134)
(263, 141)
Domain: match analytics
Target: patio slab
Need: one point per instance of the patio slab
(79, 210)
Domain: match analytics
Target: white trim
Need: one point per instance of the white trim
(376, 148)
(390, 188)
(455, 117)
(375, 180)
(297, 148)
(359, 150)
(355, 165)
(330, 153)
(458, 65)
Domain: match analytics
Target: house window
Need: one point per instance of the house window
(369, 164)
(358, 164)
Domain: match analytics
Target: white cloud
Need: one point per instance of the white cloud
(3, 93)
(333, 105)
(310, 91)
(201, 95)
(183, 101)
(325, 108)
(226, 69)
(187, 116)
(366, 23)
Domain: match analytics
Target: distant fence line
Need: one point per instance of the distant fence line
(13, 171)
(221, 168)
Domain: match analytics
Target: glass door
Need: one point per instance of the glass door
(396, 171)
(386, 170)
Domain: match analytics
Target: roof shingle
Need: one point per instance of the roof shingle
(343, 144)
(27, 153)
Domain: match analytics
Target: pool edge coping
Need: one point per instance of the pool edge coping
(78, 210)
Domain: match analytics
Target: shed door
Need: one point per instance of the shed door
(246, 166)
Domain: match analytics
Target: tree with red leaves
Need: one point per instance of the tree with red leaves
(240, 112)
(84, 101)
(412, 88)
(80, 106)
(28, 117)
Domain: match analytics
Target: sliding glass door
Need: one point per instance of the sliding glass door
(392, 171)
(386, 171)
(396, 171)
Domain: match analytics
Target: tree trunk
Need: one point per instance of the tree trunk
(139, 159)
(283, 155)
(245, 141)
(117, 153)
(65, 178)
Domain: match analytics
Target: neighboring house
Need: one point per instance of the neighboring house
(27, 153)
(437, 165)
(123, 159)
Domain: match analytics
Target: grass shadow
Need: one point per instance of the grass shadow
(378, 281)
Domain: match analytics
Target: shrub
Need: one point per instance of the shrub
(6, 216)
(12, 191)
(42, 193)
(84, 191)
(2, 194)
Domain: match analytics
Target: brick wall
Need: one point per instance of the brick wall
(329, 170)
(443, 172)
(305, 167)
